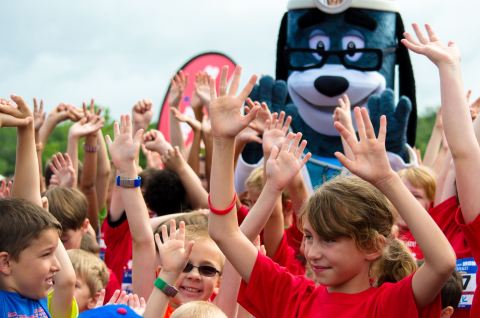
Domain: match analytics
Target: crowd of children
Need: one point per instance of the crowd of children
(107, 237)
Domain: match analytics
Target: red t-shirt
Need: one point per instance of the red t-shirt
(118, 240)
(294, 235)
(407, 237)
(273, 292)
(286, 256)
(112, 285)
(472, 236)
(444, 215)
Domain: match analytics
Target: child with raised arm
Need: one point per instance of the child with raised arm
(342, 242)
(459, 133)
(32, 258)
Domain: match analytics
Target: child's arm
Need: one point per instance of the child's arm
(89, 175)
(194, 153)
(27, 178)
(141, 117)
(227, 122)
(208, 142)
(78, 130)
(434, 142)
(39, 116)
(177, 86)
(370, 162)
(174, 254)
(456, 116)
(123, 151)
(197, 195)
(103, 171)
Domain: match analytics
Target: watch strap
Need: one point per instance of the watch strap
(167, 289)
(129, 183)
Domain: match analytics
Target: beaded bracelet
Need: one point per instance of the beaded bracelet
(89, 148)
(226, 210)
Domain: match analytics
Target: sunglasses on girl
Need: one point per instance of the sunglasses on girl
(204, 270)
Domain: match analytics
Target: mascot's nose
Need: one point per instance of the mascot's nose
(331, 85)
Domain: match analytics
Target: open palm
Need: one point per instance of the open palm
(226, 118)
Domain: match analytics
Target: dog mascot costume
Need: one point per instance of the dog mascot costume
(329, 48)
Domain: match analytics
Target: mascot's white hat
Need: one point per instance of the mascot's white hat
(337, 6)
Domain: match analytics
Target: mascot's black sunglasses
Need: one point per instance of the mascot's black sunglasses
(301, 59)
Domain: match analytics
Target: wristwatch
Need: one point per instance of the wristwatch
(129, 183)
(167, 289)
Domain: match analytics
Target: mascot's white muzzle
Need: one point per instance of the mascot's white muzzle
(315, 92)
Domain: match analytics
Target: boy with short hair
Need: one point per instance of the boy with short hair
(69, 206)
(92, 276)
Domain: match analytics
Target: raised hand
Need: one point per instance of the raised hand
(285, 162)
(152, 157)
(173, 159)
(87, 126)
(370, 160)
(431, 47)
(9, 115)
(39, 114)
(174, 251)
(5, 189)
(119, 297)
(276, 130)
(184, 118)
(262, 116)
(142, 113)
(124, 148)
(155, 141)
(225, 116)
(248, 135)
(63, 170)
(201, 91)
(177, 86)
(343, 112)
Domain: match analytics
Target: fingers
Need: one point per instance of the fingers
(213, 90)
(345, 133)
(235, 81)
(421, 37)
(222, 88)
(360, 125)
(22, 105)
(369, 132)
(248, 88)
(100, 299)
(382, 133)
(173, 228)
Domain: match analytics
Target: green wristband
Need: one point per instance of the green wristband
(167, 289)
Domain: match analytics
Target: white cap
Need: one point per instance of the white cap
(380, 5)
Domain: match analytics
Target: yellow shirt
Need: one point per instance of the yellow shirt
(73, 312)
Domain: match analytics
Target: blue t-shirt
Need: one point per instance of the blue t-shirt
(14, 305)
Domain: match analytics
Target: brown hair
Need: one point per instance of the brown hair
(420, 177)
(198, 309)
(21, 222)
(90, 268)
(348, 206)
(69, 206)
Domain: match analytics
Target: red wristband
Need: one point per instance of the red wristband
(227, 209)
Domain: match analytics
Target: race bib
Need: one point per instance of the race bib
(468, 270)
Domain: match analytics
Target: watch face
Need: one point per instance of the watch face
(170, 291)
(129, 183)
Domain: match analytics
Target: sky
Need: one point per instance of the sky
(120, 51)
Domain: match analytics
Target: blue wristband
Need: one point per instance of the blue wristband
(129, 183)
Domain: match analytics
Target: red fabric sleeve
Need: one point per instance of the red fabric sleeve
(444, 215)
(285, 256)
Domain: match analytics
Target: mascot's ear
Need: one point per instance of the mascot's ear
(281, 69)
(406, 81)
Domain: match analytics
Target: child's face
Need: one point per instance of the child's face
(72, 239)
(84, 298)
(338, 264)
(252, 195)
(193, 286)
(33, 274)
(419, 194)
